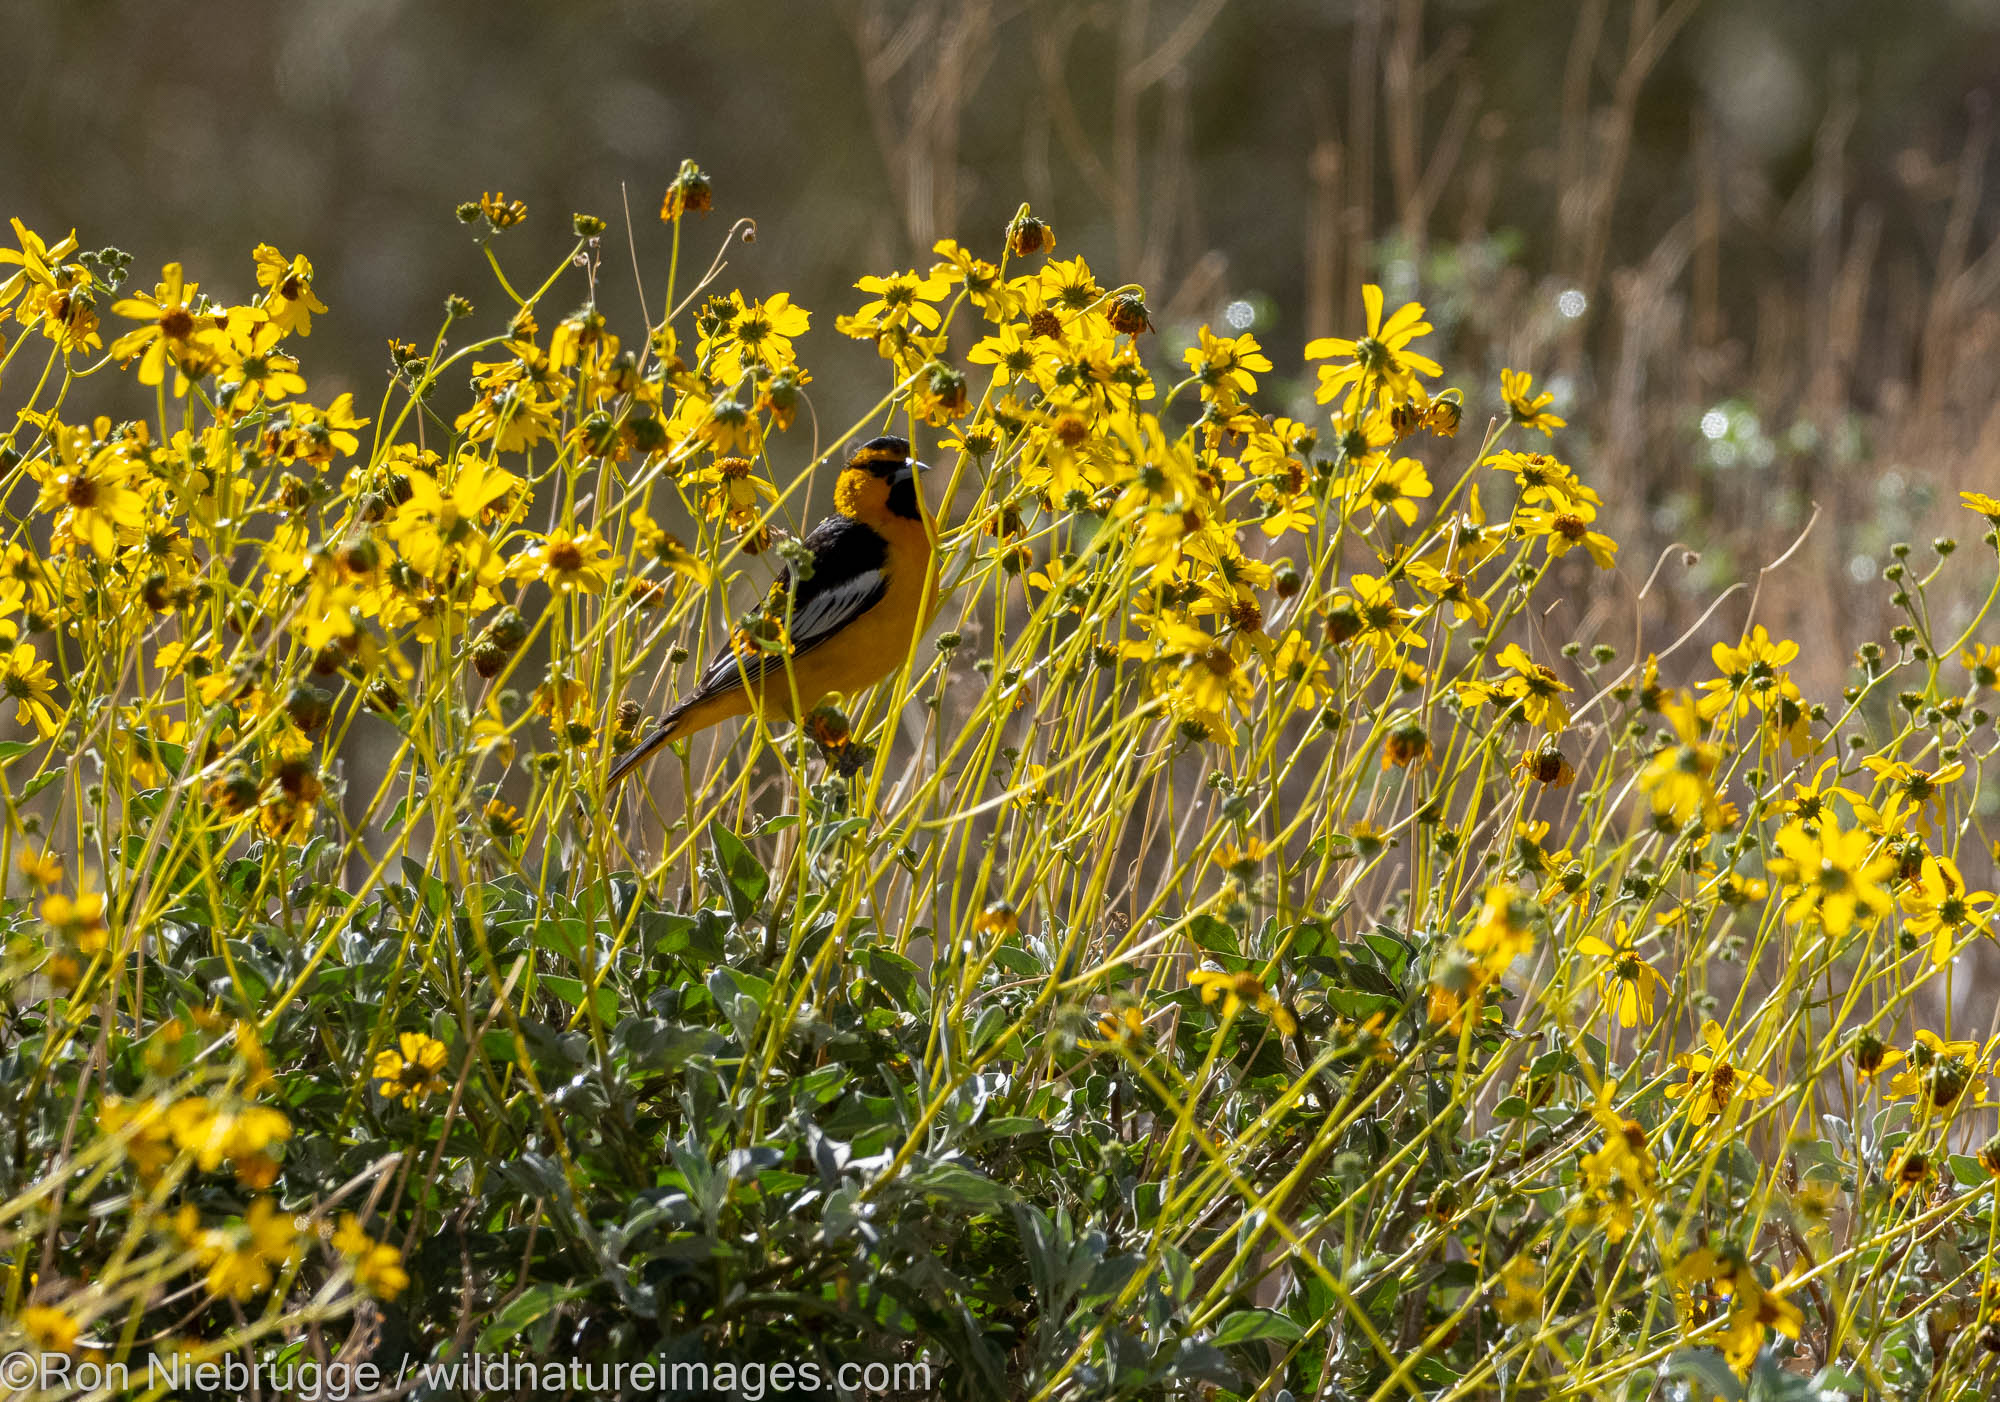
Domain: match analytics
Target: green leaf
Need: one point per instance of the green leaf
(741, 997)
(1709, 1370)
(566, 937)
(11, 750)
(1007, 1126)
(1359, 1007)
(895, 975)
(570, 990)
(1393, 953)
(1253, 1326)
(525, 1308)
(960, 1185)
(745, 875)
(1213, 935)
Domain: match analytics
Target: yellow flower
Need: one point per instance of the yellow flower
(755, 333)
(1010, 352)
(289, 300)
(240, 1259)
(1985, 505)
(1546, 764)
(566, 561)
(732, 491)
(1543, 481)
(1450, 586)
(900, 299)
(1066, 292)
(666, 549)
(1524, 406)
(501, 212)
(1983, 661)
(60, 295)
(1535, 690)
(1298, 672)
(172, 334)
(513, 416)
(1124, 1025)
(1873, 1056)
(1222, 365)
(36, 259)
(1750, 669)
(489, 735)
(379, 1272)
(51, 1328)
(436, 526)
(378, 1269)
(1501, 934)
(213, 1133)
(1941, 1075)
(1908, 1170)
(1829, 873)
(983, 284)
(1936, 903)
(1367, 612)
(1680, 777)
(348, 1238)
(1563, 530)
(1921, 790)
(501, 820)
(43, 868)
(90, 486)
(257, 373)
(1395, 486)
(80, 921)
(1520, 1301)
(1627, 983)
(1712, 1081)
(1241, 862)
(151, 1144)
(999, 918)
(1753, 1310)
(1380, 358)
(27, 683)
(409, 1070)
(1620, 1178)
(1210, 675)
(1240, 991)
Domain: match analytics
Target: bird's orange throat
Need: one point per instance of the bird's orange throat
(860, 495)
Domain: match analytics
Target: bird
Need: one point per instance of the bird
(852, 618)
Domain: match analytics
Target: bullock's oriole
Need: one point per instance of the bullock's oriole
(851, 621)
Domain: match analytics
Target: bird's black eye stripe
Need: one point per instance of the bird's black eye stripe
(902, 500)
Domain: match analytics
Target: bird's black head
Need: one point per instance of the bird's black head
(888, 459)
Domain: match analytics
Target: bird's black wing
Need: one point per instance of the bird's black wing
(847, 580)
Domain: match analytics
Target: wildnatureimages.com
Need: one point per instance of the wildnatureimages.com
(309, 1380)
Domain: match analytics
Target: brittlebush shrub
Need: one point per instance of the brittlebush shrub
(1245, 946)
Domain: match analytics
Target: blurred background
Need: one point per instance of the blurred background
(1750, 244)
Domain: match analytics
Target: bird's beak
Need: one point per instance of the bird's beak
(920, 466)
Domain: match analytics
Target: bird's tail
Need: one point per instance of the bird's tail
(672, 726)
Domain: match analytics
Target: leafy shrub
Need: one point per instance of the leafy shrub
(1241, 949)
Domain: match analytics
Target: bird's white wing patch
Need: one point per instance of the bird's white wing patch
(833, 608)
(815, 618)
